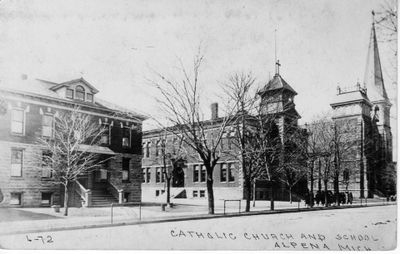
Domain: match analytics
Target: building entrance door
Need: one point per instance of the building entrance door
(178, 177)
(101, 175)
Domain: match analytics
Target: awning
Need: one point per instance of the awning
(95, 149)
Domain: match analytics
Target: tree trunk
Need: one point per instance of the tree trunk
(312, 185)
(272, 206)
(254, 193)
(210, 193)
(248, 193)
(326, 192)
(336, 187)
(66, 199)
(168, 190)
(290, 194)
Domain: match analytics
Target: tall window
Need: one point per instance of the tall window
(105, 136)
(158, 148)
(196, 173)
(158, 175)
(17, 121)
(148, 175)
(70, 93)
(203, 174)
(47, 171)
(231, 172)
(47, 125)
(16, 162)
(125, 169)
(224, 170)
(147, 149)
(346, 175)
(143, 175)
(80, 93)
(126, 137)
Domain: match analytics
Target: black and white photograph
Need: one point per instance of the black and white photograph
(263, 125)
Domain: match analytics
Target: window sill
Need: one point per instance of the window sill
(17, 177)
(17, 134)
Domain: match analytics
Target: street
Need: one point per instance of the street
(372, 228)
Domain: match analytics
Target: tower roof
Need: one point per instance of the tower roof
(277, 82)
(373, 78)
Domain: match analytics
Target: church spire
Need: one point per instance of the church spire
(373, 78)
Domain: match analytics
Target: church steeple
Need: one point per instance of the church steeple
(373, 78)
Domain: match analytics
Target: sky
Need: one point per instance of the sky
(116, 44)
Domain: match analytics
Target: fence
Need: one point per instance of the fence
(232, 200)
(139, 204)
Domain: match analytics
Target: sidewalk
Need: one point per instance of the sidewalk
(182, 210)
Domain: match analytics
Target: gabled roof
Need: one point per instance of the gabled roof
(46, 89)
(277, 82)
(74, 81)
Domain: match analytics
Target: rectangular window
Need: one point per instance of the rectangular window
(17, 121)
(89, 97)
(148, 175)
(125, 169)
(70, 93)
(162, 175)
(46, 198)
(203, 174)
(47, 171)
(223, 172)
(144, 175)
(157, 193)
(126, 137)
(47, 125)
(231, 172)
(196, 173)
(195, 194)
(15, 198)
(202, 193)
(158, 175)
(105, 136)
(16, 162)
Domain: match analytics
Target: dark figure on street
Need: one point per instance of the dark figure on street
(318, 197)
(342, 197)
(350, 199)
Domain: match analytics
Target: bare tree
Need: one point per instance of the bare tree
(238, 90)
(66, 152)
(173, 156)
(180, 101)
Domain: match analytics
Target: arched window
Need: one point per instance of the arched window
(158, 147)
(80, 93)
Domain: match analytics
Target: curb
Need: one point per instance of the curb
(193, 218)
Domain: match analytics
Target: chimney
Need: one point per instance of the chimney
(214, 111)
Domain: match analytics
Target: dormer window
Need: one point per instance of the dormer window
(80, 93)
(70, 93)
(89, 97)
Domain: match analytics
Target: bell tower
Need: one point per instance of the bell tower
(277, 101)
(373, 82)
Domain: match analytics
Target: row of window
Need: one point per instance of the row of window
(79, 94)
(18, 127)
(226, 143)
(46, 200)
(47, 172)
(227, 173)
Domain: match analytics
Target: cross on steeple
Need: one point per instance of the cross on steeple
(277, 65)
